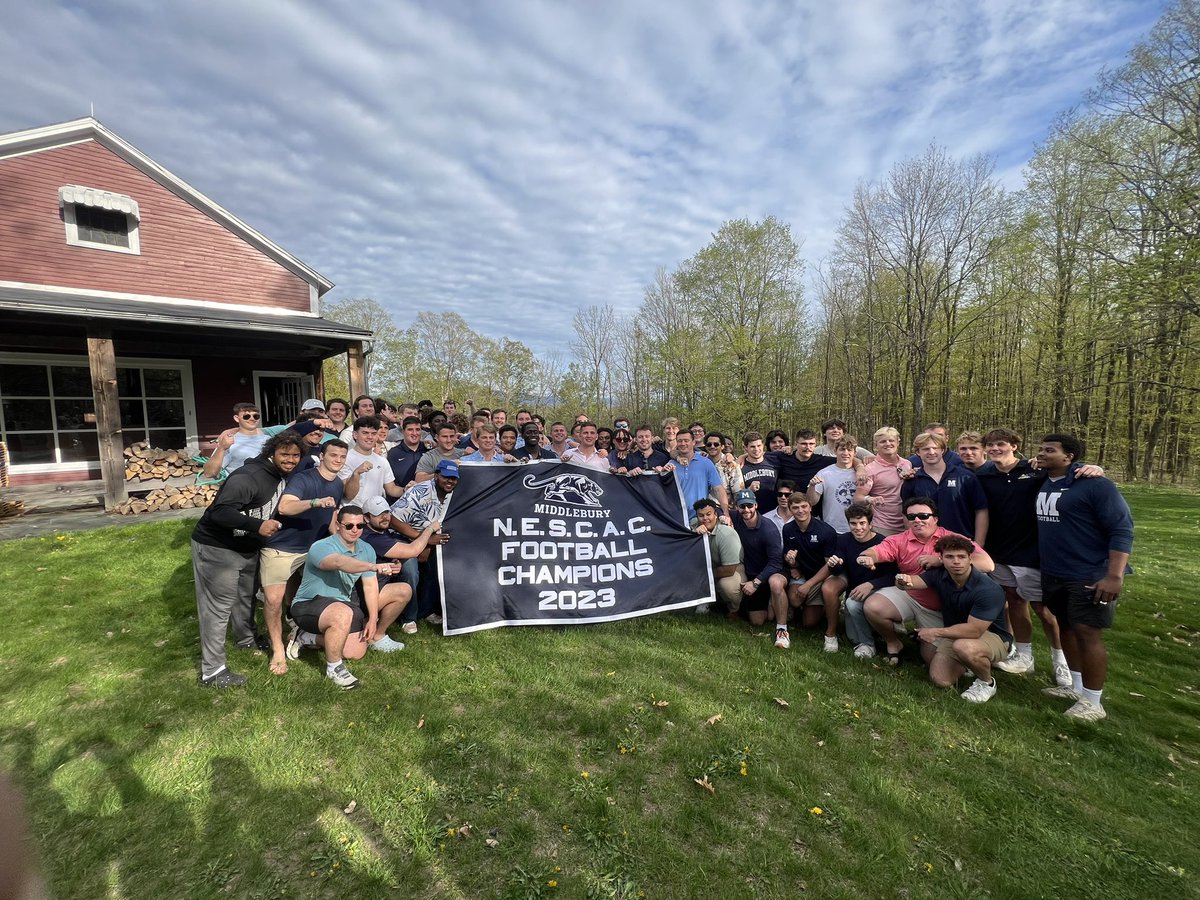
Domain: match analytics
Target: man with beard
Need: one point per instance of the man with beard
(225, 548)
(764, 594)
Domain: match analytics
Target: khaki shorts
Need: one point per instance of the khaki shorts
(814, 593)
(996, 648)
(277, 566)
(910, 610)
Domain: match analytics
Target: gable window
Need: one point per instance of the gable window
(100, 219)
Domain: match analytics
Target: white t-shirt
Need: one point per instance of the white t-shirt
(370, 484)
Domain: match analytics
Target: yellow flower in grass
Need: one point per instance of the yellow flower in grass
(816, 810)
(928, 868)
(552, 883)
(584, 774)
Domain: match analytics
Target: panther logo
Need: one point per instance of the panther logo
(578, 490)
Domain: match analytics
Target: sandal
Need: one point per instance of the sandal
(894, 657)
(279, 668)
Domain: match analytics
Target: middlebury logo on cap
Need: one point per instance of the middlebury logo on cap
(745, 498)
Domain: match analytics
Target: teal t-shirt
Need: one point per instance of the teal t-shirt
(331, 582)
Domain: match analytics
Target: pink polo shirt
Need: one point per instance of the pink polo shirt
(905, 549)
(883, 482)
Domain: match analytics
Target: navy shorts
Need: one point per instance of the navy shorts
(1074, 604)
(307, 613)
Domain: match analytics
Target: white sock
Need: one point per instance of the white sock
(1057, 657)
(1077, 682)
(1093, 696)
(1025, 650)
(308, 639)
(330, 665)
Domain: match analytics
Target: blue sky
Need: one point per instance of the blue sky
(514, 161)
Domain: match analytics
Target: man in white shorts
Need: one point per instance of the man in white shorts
(912, 552)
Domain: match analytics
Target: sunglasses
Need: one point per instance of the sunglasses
(621, 437)
(352, 526)
(921, 516)
(716, 444)
(784, 494)
(248, 416)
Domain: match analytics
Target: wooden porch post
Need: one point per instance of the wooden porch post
(102, 362)
(358, 370)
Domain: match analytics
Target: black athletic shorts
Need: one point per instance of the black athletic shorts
(307, 613)
(1074, 604)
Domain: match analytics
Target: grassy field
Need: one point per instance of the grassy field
(541, 762)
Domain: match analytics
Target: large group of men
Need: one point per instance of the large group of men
(333, 522)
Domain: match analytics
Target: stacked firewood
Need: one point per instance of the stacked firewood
(146, 463)
(188, 497)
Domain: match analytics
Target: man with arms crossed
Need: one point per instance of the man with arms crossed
(1085, 535)
(972, 635)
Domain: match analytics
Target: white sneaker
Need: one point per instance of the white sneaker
(434, 619)
(1016, 664)
(703, 609)
(1065, 691)
(386, 645)
(1062, 675)
(979, 691)
(294, 645)
(342, 678)
(409, 627)
(1086, 711)
(782, 640)
(831, 644)
(864, 651)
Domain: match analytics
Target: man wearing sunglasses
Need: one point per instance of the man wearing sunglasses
(324, 610)
(236, 445)
(912, 550)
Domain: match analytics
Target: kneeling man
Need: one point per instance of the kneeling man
(973, 634)
(324, 610)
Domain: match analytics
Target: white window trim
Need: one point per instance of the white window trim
(189, 403)
(70, 196)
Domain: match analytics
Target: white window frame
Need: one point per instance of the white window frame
(72, 227)
(189, 403)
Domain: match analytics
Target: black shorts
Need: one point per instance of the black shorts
(759, 600)
(1074, 604)
(307, 613)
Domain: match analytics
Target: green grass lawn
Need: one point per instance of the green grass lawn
(541, 762)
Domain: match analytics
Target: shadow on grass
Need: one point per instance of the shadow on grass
(106, 832)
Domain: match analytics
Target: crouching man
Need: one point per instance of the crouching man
(324, 610)
(973, 634)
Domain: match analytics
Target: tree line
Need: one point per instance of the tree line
(1071, 304)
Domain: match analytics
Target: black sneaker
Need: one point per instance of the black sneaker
(224, 679)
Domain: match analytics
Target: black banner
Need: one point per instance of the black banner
(552, 543)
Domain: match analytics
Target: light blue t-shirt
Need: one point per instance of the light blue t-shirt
(245, 446)
(332, 582)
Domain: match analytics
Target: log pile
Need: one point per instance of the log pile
(188, 497)
(146, 463)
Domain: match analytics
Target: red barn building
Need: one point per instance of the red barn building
(135, 308)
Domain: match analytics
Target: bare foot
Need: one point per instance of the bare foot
(278, 666)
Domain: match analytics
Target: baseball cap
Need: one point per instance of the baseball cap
(376, 506)
(745, 498)
(311, 403)
(447, 468)
(303, 428)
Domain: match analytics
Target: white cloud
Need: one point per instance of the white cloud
(515, 161)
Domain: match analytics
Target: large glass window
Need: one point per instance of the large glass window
(48, 416)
